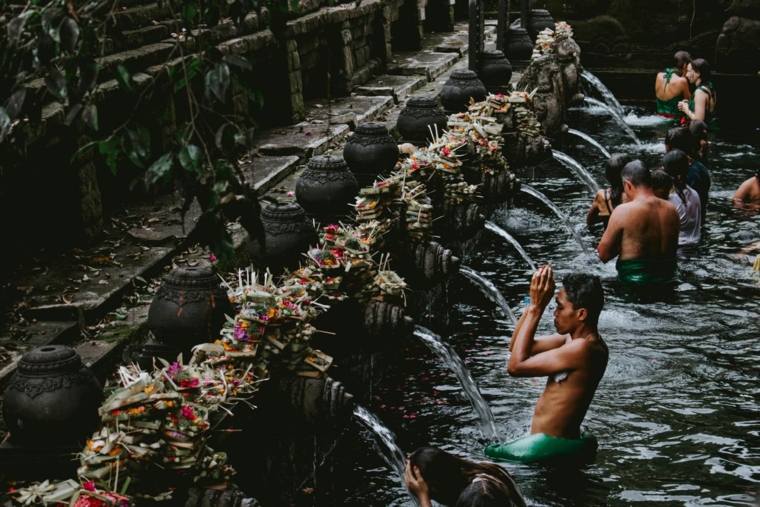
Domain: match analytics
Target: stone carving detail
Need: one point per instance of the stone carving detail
(556, 79)
(384, 320)
(33, 387)
(324, 176)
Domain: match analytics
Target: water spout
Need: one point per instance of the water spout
(603, 91)
(590, 140)
(628, 130)
(538, 195)
(489, 290)
(512, 241)
(384, 442)
(453, 361)
(578, 169)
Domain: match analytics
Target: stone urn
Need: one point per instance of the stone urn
(326, 189)
(460, 88)
(538, 20)
(288, 233)
(517, 44)
(52, 400)
(495, 70)
(371, 152)
(418, 118)
(188, 309)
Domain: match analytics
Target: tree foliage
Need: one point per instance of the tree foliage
(52, 51)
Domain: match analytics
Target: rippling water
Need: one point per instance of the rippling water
(677, 414)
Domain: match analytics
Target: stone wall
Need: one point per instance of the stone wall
(48, 200)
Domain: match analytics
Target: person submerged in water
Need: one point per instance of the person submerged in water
(574, 359)
(434, 474)
(642, 233)
(671, 87)
(749, 191)
(701, 105)
(662, 184)
(684, 198)
(698, 177)
(607, 199)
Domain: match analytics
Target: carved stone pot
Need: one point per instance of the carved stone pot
(518, 45)
(326, 189)
(418, 118)
(188, 309)
(370, 152)
(538, 20)
(495, 70)
(461, 86)
(288, 233)
(52, 400)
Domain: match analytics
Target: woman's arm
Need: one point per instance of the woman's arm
(592, 217)
(700, 105)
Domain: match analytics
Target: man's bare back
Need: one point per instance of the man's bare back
(646, 227)
(749, 190)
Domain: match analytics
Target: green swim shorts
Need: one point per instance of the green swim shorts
(541, 447)
(645, 271)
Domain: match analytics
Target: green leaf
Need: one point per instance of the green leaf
(124, 78)
(111, 149)
(73, 113)
(239, 61)
(5, 124)
(191, 158)
(56, 83)
(218, 80)
(15, 103)
(225, 138)
(16, 27)
(82, 150)
(141, 279)
(188, 12)
(245, 138)
(69, 34)
(159, 170)
(136, 144)
(90, 116)
(192, 70)
(295, 6)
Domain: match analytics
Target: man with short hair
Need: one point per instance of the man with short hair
(574, 359)
(671, 86)
(643, 232)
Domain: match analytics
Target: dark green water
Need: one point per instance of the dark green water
(677, 414)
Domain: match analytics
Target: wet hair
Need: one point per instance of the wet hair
(615, 164)
(585, 291)
(447, 475)
(680, 138)
(700, 65)
(637, 173)
(680, 59)
(661, 181)
(485, 492)
(698, 130)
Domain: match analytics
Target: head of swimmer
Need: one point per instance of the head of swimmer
(680, 61)
(579, 303)
(635, 175)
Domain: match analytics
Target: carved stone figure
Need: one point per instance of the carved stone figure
(738, 45)
(556, 78)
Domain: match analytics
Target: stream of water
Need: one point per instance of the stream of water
(490, 291)
(578, 169)
(512, 241)
(590, 140)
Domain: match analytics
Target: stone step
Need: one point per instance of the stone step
(350, 111)
(305, 139)
(141, 16)
(429, 64)
(263, 172)
(398, 87)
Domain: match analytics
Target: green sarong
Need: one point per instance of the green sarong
(541, 447)
(645, 271)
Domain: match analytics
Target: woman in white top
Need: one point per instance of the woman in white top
(684, 198)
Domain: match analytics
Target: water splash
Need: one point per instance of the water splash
(538, 195)
(384, 442)
(489, 290)
(603, 91)
(512, 241)
(453, 361)
(591, 140)
(619, 118)
(651, 120)
(578, 169)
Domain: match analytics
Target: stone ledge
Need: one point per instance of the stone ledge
(305, 139)
(263, 173)
(398, 87)
(428, 64)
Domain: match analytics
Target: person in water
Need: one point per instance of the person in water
(698, 130)
(434, 474)
(749, 190)
(574, 360)
(671, 86)
(662, 184)
(607, 199)
(698, 176)
(701, 105)
(642, 233)
(484, 492)
(684, 198)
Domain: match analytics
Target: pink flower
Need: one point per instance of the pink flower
(212, 257)
(173, 369)
(187, 413)
(89, 486)
(241, 334)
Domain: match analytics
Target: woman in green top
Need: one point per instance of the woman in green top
(702, 104)
(671, 87)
